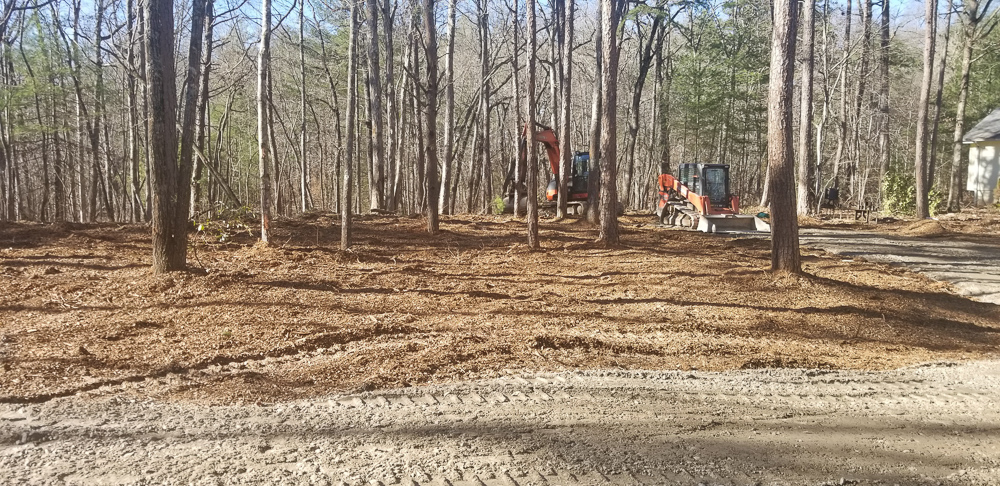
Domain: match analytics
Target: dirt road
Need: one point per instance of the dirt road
(923, 425)
(972, 264)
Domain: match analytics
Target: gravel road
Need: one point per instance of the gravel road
(971, 264)
(935, 424)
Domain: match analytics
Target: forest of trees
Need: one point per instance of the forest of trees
(263, 111)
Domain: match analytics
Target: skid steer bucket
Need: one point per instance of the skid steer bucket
(732, 223)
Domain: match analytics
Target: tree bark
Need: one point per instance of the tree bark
(564, 45)
(805, 196)
(611, 14)
(431, 54)
(781, 157)
(920, 152)
(168, 253)
(842, 138)
(644, 63)
(377, 182)
(938, 99)
(192, 84)
(263, 121)
(390, 188)
(530, 113)
(594, 181)
(304, 194)
(883, 99)
(485, 128)
(204, 137)
(866, 35)
(346, 211)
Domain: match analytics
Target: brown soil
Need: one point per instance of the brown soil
(927, 227)
(79, 308)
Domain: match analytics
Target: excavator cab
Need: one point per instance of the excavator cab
(581, 171)
(578, 181)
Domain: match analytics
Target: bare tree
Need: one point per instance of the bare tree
(189, 122)
(431, 54)
(449, 111)
(805, 201)
(352, 110)
(972, 16)
(594, 180)
(857, 188)
(843, 118)
(263, 147)
(169, 244)
(530, 112)
(938, 101)
(650, 47)
(565, 45)
(611, 14)
(780, 152)
(883, 99)
(920, 152)
(390, 188)
(377, 185)
(303, 113)
(485, 122)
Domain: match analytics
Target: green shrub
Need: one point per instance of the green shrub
(498, 205)
(899, 195)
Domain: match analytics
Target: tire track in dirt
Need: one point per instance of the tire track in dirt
(308, 346)
(932, 423)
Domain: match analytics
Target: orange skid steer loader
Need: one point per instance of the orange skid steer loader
(699, 197)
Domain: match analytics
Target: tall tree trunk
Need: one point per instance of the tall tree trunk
(168, 253)
(530, 111)
(805, 200)
(203, 122)
(192, 85)
(644, 62)
(866, 36)
(449, 112)
(389, 186)
(938, 95)
(431, 54)
(346, 212)
(519, 169)
(377, 182)
(883, 99)
(843, 119)
(920, 152)
(485, 162)
(780, 152)
(559, 105)
(566, 124)
(611, 14)
(594, 181)
(263, 121)
(304, 195)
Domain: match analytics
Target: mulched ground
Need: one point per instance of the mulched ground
(79, 307)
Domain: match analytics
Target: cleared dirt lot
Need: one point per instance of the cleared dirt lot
(80, 312)
(925, 425)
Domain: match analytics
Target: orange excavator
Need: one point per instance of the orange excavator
(699, 197)
(577, 202)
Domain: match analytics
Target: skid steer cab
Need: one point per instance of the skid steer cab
(699, 197)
